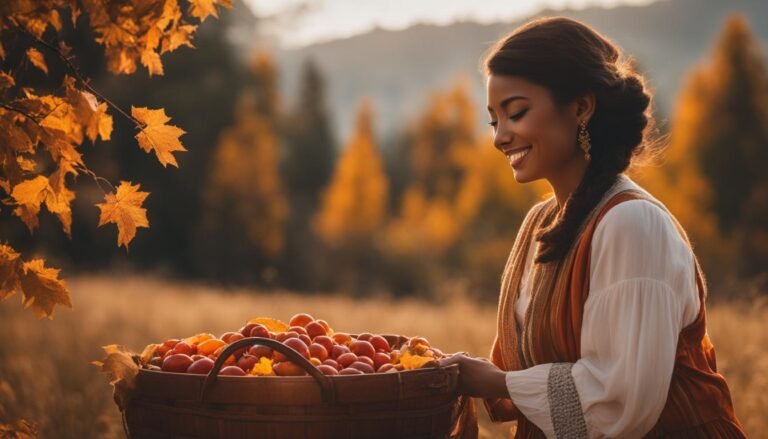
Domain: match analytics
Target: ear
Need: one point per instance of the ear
(585, 107)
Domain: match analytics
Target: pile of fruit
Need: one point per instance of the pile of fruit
(333, 353)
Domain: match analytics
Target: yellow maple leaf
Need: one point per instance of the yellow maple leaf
(202, 9)
(157, 136)
(37, 59)
(91, 116)
(180, 35)
(32, 191)
(28, 195)
(263, 367)
(124, 209)
(60, 197)
(273, 325)
(42, 289)
(9, 271)
(151, 60)
(121, 369)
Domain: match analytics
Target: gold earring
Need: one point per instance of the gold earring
(584, 140)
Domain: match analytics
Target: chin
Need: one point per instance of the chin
(522, 176)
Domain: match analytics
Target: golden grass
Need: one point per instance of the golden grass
(45, 373)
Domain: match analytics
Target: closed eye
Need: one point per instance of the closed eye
(519, 115)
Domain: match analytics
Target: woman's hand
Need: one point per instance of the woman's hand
(478, 377)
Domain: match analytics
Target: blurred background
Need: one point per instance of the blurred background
(341, 145)
(339, 149)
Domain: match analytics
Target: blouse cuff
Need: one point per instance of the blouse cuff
(528, 391)
(565, 406)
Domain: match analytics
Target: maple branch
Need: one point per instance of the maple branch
(96, 178)
(22, 112)
(79, 75)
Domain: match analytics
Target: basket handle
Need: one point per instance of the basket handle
(326, 385)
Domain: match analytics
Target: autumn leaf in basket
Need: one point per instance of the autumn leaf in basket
(199, 338)
(121, 367)
(263, 367)
(412, 361)
(273, 325)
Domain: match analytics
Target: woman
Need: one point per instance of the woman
(601, 322)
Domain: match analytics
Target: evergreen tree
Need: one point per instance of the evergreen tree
(306, 167)
(713, 177)
(241, 234)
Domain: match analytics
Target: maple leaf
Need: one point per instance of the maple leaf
(121, 368)
(263, 367)
(148, 352)
(151, 60)
(273, 325)
(29, 194)
(91, 116)
(177, 37)
(157, 136)
(42, 289)
(37, 59)
(9, 271)
(202, 9)
(6, 81)
(59, 197)
(124, 209)
(21, 429)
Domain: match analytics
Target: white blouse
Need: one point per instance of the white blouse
(642, 293)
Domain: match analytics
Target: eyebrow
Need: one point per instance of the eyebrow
(507, 100)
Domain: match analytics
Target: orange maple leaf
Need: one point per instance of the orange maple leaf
(124, 209)
(42, 289)
(203, 8)
(21, 429)
(121, 367)
(157, 136)
(9, 271)
(37, 59)
(6, 81)
(28, 195)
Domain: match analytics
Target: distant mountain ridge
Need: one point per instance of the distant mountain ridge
(398, 69)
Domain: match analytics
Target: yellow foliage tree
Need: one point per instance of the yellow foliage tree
(354, 205)
(442, 150)
(245, 204)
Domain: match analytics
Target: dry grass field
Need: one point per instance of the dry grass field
(46, 375)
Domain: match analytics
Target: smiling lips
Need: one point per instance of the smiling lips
(517, 157)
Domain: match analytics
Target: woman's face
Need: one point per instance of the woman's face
(537, 136)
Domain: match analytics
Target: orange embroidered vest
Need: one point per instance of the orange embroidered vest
(699, 401)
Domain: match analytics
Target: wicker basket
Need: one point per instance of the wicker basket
(420, 403)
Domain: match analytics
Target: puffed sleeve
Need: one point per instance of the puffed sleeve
(642, 293)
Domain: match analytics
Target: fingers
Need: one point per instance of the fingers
(453, 359)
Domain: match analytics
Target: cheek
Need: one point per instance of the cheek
(553, 136)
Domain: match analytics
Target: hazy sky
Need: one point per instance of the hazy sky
(328, 19)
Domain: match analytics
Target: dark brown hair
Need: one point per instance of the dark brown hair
(571, 59)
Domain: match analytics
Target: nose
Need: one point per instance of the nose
(502, 136)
